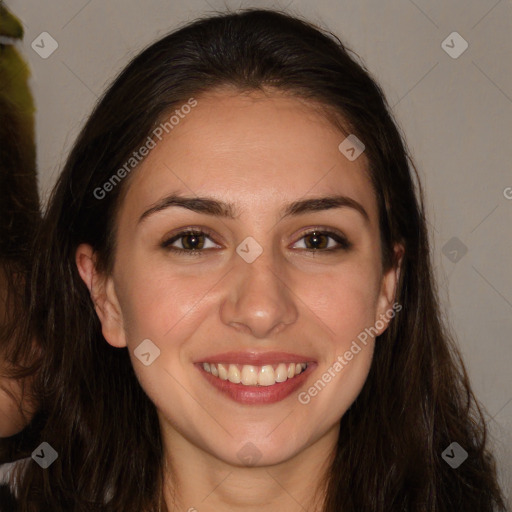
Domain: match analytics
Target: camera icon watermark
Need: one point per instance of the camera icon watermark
(44, 45)
(454, 249)
(249, 455)
(147, 352)
(507, 192)
(249, 249)
(454, 45)
(351, 147)
(454, 455)
(45, 455)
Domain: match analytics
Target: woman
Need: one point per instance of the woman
(234, 296)
(19, 215)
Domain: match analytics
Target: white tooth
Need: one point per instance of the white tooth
(255, 375)
(281, 373)
(223, 373)
(234, 374)
(266, 376)
(249, 375)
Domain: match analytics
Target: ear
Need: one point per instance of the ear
(389, 284)
(103, 295)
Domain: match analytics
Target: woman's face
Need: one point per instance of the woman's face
(255, 292)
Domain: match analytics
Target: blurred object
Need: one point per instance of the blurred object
(19, 199)
(19, 218)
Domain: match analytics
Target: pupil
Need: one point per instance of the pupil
(195, 241)
(316, 237)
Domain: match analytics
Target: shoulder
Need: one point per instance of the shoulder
(8, 483)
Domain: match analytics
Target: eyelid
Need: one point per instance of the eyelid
(170, 238)
(338, 236)
(341, 239)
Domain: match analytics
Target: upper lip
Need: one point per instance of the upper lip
(255, 358)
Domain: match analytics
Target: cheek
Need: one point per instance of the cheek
(345, 300)
(160, 303)
(163, 307)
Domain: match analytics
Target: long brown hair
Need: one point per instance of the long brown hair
(417, 398)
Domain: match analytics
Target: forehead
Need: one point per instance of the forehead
(249, 149)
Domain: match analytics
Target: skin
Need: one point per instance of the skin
(12, 420)
(259, 152)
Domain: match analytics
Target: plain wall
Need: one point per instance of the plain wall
(456, 114)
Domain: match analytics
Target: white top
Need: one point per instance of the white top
(5, 473)
(6, 470)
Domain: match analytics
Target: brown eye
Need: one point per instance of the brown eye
(319, 241)
(192, 242)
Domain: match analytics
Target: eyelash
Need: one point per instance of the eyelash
(338, 237)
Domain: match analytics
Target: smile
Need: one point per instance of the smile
(251, 375)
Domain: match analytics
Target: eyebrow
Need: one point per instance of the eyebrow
(217, 208)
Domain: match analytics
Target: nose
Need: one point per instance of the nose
(260, 300)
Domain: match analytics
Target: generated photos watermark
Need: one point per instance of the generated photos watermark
(342, 360)
(145, 149)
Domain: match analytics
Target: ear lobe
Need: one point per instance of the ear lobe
(389, 289)
(103, 295)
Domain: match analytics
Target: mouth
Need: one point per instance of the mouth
(250, 378)
(250, 375)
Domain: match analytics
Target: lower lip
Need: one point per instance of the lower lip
(258, 394)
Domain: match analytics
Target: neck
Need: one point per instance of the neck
(197, 481)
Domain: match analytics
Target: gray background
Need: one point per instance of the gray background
(456, 114)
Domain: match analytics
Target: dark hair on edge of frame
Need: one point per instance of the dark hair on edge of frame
(19, 220)
(417, 398)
